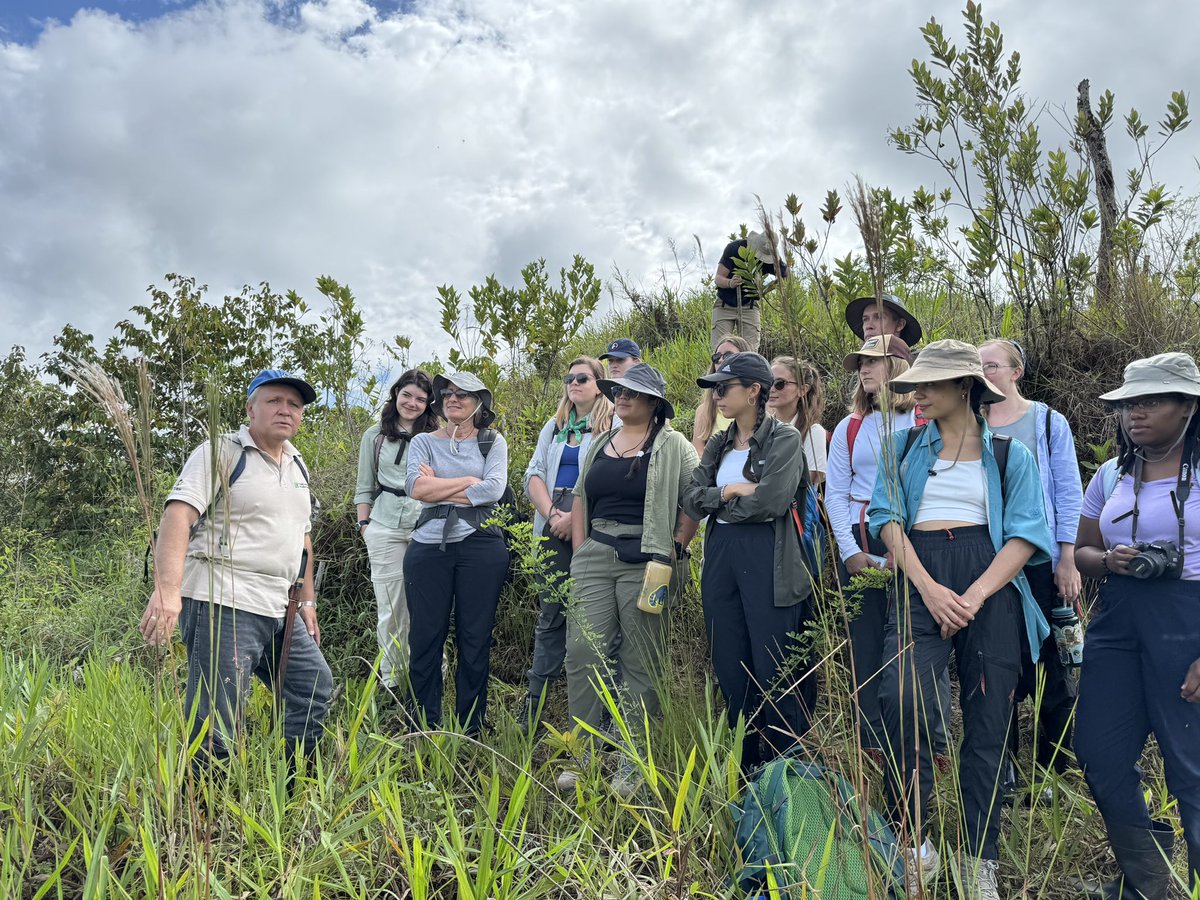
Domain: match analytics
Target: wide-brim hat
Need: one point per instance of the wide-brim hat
(466, 381)
(946, 361)
(278, 376)
(911, 334)
(758, 242)
(1166, 373)
(877, 347)
(745, 366)
(643, 378)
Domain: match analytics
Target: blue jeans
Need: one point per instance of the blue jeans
(225, 648)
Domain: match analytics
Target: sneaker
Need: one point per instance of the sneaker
(978, 879)
(569, 777)
(915, 881)
(627, 779)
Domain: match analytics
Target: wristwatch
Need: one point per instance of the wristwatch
(363, 523)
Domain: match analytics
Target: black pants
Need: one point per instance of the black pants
(465, 580)
(988, 656)
(550, 633)
(1140, 643)
(1052, 735)
(750, 639)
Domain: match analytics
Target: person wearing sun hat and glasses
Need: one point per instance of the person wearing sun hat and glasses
(457, 563)
(961, 514)
(1139, 536)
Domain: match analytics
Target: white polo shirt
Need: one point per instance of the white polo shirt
(246, 554)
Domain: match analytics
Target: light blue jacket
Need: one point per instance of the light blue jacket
(1061, 488)
(1014, 511)
(544, 463)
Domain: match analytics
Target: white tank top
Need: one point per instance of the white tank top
(956, 492)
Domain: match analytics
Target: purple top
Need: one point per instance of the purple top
(1156, 516)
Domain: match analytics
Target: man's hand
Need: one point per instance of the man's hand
(309, 615)
(159, 619)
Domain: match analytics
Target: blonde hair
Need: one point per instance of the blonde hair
(600, 418)
(706, 412)
(811, 405)
(864, 404)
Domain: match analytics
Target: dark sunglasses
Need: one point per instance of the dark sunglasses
(719, 357)
(619, 391)
(780, 383)
(723, 388)
(447, 393)
(581, 378)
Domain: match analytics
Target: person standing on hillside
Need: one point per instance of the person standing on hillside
(621, 355)
(234, 538)
(736, 309)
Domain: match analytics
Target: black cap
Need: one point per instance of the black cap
(622, 348)
(750, 367)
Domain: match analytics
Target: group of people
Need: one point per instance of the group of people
(941, 473)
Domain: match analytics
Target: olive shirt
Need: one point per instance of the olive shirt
(389, 510)
(777, 464)
(672, 460)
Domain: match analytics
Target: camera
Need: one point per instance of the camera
(1156, 559)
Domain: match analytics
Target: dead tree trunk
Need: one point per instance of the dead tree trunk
(1092, 134)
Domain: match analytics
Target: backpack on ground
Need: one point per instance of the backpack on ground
(804, 825)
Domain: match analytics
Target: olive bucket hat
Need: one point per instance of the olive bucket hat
(1166, 373)
(465, 381)
(643, 378)
(912, 332)
(946, 360)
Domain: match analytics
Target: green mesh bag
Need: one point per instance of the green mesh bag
(802, 823)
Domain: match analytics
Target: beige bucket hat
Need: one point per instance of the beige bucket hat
(945, 361)
(1166, 373)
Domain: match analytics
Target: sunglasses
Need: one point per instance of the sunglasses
(447, 393)
(720, 357)
(628, 393)
(1145, 404)
(581, 378)
(722, 389)
(780, 383)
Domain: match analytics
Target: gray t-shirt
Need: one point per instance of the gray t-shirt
(454, 459)
(1023, 430)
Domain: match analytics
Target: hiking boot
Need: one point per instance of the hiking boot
(627, 780)
(916, 879)
(527, 715)
(977, 879)
(569, 777)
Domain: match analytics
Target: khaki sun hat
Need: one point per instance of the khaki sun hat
(757, 241)
(1166, 373)
(945, 361)
(877, 347)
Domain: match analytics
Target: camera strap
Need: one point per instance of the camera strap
(1179, 496)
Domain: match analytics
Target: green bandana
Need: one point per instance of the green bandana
(577, 427)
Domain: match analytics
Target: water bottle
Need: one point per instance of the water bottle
(1068, 635)
(652, 598)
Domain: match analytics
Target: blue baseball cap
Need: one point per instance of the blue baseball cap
(279, 376)
(622, 348)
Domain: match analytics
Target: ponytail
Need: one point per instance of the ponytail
(763, 396)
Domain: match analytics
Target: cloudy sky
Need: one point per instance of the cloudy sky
(398, 146)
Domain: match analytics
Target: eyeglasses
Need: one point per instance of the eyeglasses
(629, 394)
(780, 383)
(1145, 404)
(447, 393)
(722, 389)
(994, 366)
(720, 357)
(581, 378)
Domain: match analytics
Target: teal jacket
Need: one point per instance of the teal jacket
(1017, 511)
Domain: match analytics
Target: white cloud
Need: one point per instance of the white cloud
(241, 140)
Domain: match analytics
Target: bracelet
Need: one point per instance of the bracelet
(721, 494)
(308, 604)
(363, 523)
(1104, 562)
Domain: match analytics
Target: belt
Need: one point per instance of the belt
(474, 515)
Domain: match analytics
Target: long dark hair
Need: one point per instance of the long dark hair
(658, 419)
(1127, 449)
(389, 419)
(764, 394)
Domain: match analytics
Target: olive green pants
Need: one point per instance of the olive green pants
(603, 605)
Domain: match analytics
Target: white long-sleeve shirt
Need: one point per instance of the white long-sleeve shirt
(847, 493)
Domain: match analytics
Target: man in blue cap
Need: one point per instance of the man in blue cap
(232, 566)
(621, 355)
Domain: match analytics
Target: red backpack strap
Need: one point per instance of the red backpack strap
(919, 417)
(852, 429)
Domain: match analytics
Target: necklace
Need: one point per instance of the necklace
(456, 445)
(933, 470)
(622, 454)
(740, 443)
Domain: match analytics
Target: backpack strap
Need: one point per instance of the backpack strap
(487, 438)
(404, 440)
(1109, 474)
(852, 429)
(1049, 424)
(1000, 446)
